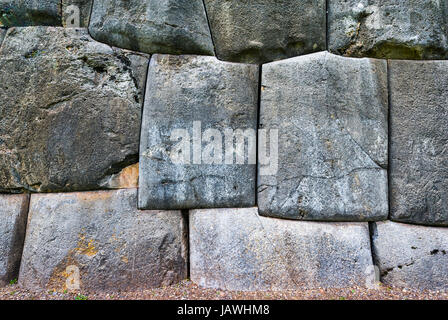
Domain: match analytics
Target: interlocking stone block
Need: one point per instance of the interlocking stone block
(412, 256)
(331, 113)
(235, 249)
(259, 31)
(70, 112)
(30, 13)
(153, 26)
(191, 104)
(72, 10)
(100, 241)
(419, 142)
(393, 29)
(13, 216)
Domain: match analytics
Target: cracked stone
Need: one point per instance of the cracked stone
(71, 110)
(102, 240)
(153, 26)
(84, 8)
(236, 249)
(419, 135)
(260, 31)
(331, 113)
(188, 91)
(411, 256)
(13, 217)
(392, 29)
(22, 13)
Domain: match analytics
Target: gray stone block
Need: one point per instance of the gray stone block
(84, 7)
(331, 113)
(393, 29)
(412, 256)
(13, 217)
(153, 26)
(264, 30)
(235, 249)
(103, 238)
(194, 94)
(30, 13)
(418, 147)
(70, 112)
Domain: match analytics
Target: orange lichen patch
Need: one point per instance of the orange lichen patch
(64, 277)
(125, 179)
(86, 247)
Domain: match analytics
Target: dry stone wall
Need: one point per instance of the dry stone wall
(262, 145)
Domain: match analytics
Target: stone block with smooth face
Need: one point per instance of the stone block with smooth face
(331, 116)
(198, 141)
(260, 31)
(419, 142)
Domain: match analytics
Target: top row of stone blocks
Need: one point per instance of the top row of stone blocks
(255, 31)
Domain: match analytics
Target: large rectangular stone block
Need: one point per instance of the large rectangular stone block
(259, 31)
(30, 13)
(411, 256)
(393, 29)
(331, 116)
(13, 217)
(419, 142)
(70, 111)
(100, 241)
(235, 249)
(153, 26)
(192, 104)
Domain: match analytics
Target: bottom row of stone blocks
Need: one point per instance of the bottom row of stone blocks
(100, 241)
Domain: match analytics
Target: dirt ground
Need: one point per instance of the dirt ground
(189, 291)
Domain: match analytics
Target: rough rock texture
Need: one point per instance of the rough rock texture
(153, 26)
(84, 6)
(2, 35)
(394, 29)
(331, 113)
(70, 112)
(412, 256)
(182, 90)
(114, 246)
(125, 179)
(13, 214)
(30, 13)
(235, 249)
(264, 30)
(419, 142)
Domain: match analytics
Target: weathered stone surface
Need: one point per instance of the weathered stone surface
(153, 26)
(412, 256)
(419, 135)
(331, 113)
(30, 13)
(84, 7)
(114, 246)
(235, 249)
(182, 91)
(125, 179)
(13, 214)
(264, 30)
(394, 29)
(70, 112)
(2, 35)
